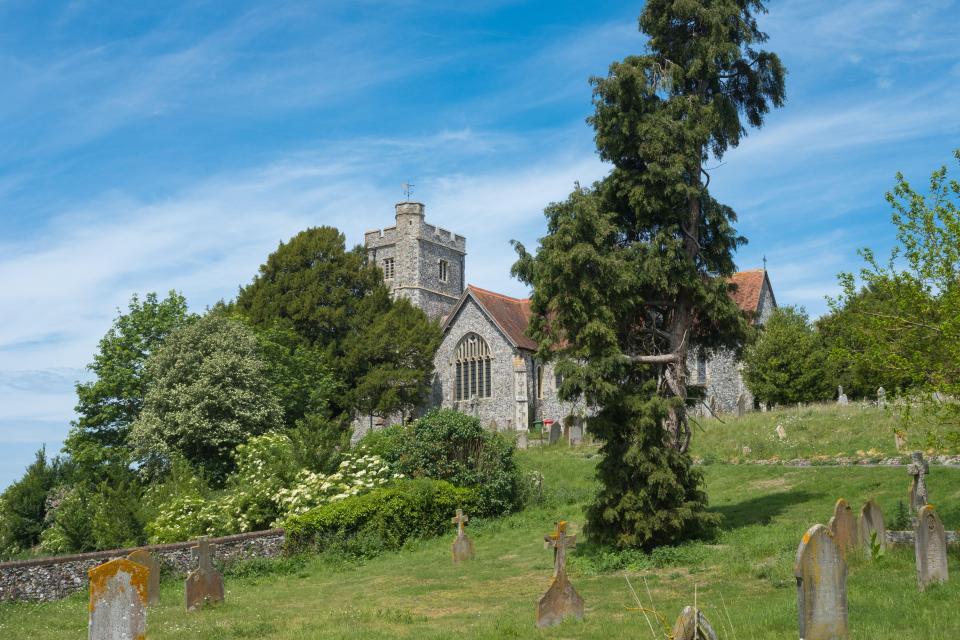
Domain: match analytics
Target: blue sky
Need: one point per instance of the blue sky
(156, 146)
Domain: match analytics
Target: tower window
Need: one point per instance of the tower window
(444, 269)
(701, 368)
(539, 381)
(388, 269)
(472, 368)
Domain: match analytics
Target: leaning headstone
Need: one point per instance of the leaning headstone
(930, 547)
(881, 397)
(204, 584)
(918, 468)
(145, 558)
(118, 601)
(821, 574)
(870, 525)
(462, 545)
(692, 625)
(843, 526)
(561, 599)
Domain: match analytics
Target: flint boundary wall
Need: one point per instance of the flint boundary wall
(45, 579)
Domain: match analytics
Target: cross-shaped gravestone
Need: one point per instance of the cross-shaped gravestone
(918, 468)
(462, 545)
(561, 599)
(205, 584)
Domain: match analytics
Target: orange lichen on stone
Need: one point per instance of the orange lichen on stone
(101, 574)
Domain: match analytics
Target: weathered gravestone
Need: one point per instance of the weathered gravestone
(843, 526)
(918, 468)
(741, 405)
(118, 601)
(842, 397)
(462, 546)
(692, 625)
(821, 573)
(781, 432)
(204, 584)
(881, 397)
(146, 559)
(556, 432)
(930, 548)
(870, 525)
(561, 599)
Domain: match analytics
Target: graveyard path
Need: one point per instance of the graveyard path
(418, 593)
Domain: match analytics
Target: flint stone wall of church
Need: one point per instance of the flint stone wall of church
(497, 409)
(724, 383)
(45, 579)
(550, 407)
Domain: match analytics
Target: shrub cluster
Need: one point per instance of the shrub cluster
(381, 520)
(448, 445)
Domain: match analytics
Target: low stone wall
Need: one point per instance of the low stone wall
(59, 576)
(909, 538)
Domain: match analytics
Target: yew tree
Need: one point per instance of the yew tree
(633, 271)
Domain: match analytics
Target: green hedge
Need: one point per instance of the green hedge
(381, 520)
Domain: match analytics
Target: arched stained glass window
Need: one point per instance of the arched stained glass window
(472, 368)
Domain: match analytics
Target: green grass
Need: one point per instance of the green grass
(820, 432)
(418, 593)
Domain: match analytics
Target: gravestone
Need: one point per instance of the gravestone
(575, 432)
(870, 523)
(561, 600)
(741, 405)
(899, 439)
(881, 398)
(781, 432)
(462, 545)
(918, 468)
(118, 601)
(930, 548)
(204, 584)
(556, 432)
(523, 439)
(842, 397)
(692, 625)
(843, 526)
(145, 558)
(821, 573)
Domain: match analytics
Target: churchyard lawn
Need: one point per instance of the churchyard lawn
(419, 593)
(820, 433)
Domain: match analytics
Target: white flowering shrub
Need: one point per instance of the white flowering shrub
(186, 517)
(355, 475)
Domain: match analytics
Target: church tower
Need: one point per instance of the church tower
(419, 261)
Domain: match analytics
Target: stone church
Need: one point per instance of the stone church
(486, 364)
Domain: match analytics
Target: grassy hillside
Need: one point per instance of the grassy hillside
(817, 432)
(417, 593)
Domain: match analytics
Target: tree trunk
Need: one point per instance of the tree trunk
(677, 426)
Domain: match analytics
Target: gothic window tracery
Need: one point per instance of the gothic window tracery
(472, 368)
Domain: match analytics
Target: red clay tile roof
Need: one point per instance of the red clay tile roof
(511, 314)
(749, 285)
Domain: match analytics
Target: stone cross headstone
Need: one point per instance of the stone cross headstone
(870, 525)
(781, 432)
(930, 548)
(118, 601)
(204, 584)
(561, 599)
(918, 468)
(462, 545)
(881, 397)
(692, 625)
(145, 558)
(821, 573)
(842, 397)
(843, 526)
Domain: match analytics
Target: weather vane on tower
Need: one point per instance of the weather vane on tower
(408, 189)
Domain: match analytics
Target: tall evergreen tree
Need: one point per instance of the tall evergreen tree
(633, 271)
